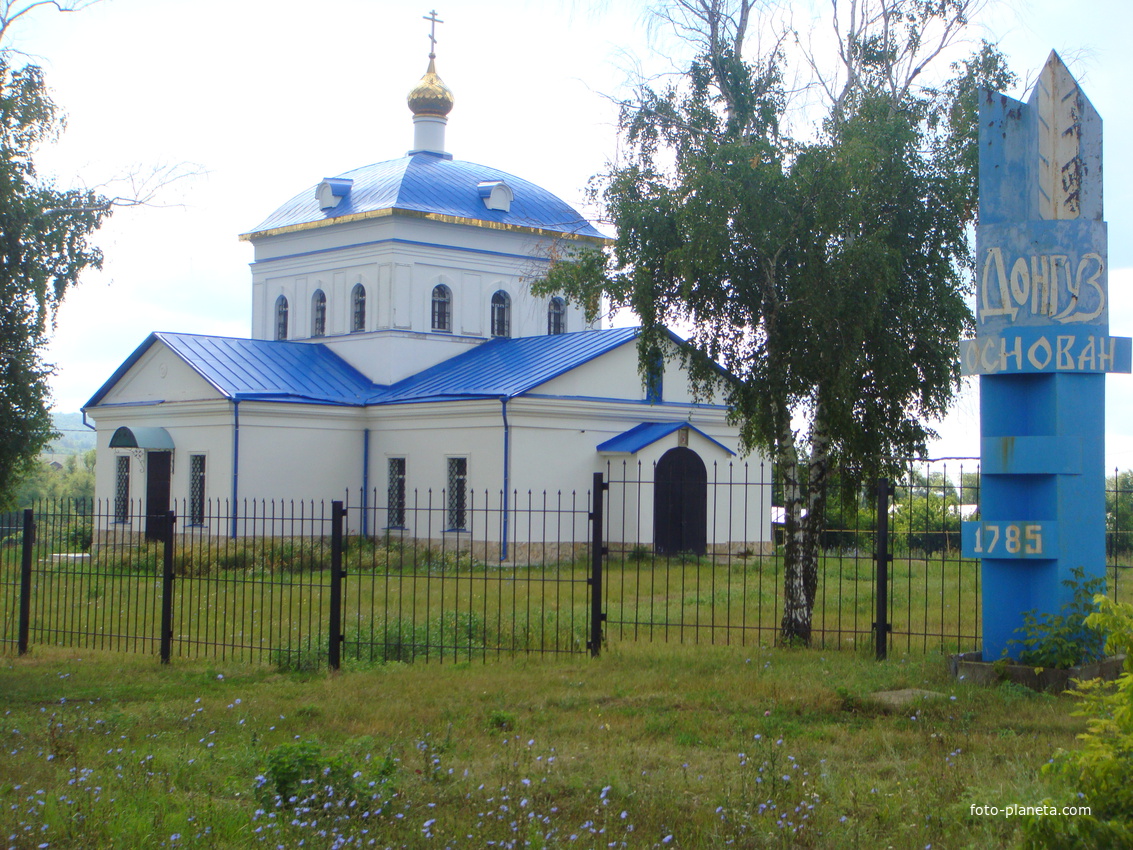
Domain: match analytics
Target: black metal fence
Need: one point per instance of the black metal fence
(293, 587)
(301, 584)
(733, 592)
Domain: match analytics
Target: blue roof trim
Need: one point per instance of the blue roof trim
(258, 369)
(505, 368)
(127, 364)
(531, 258)
(656, 405)
(647, 433)
(431, 184)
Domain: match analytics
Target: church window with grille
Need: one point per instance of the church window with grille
(501, 314)
(122, 488)
(196, 489)
(556, 316)
(281, 317)
(358, 309)
(457, 493)
(395, 511)
(442, 308)
(319, 313)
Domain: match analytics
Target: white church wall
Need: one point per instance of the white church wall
(616, 375)
(426, 433)
(388, 356)
(159, 375)
(299, 452)
(400, 258)
(554, 450)
(401, 295)
(738, 502)
(196, 428)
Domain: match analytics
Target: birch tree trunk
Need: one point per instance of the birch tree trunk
(795, 626)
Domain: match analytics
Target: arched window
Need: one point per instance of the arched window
(442, 308)
(556, 316)
(501, 314)
(318, 314)
(358, 309)
(281, 317)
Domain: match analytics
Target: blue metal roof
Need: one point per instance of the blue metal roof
(266, 370)
(504, 368)
(259, 369)
(428, 183)
(647, 433)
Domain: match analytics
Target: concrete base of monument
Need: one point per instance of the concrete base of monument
(970, 667)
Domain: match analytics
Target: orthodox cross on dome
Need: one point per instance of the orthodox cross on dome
(432, 17)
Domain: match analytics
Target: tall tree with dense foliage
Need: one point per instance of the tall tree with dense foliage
(824, 263)
(45, 246)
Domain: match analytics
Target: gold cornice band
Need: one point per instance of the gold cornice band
(447, 219)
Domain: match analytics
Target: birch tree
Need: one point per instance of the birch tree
(821, 257)
(45, 245)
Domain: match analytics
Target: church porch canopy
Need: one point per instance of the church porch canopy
(142, 437)
(639, 436)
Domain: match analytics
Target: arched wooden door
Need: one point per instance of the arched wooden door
(680, 503)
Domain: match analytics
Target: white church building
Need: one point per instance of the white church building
(398, 356)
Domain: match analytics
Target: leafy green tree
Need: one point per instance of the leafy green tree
(825, 270)
(45, 246)
(927, 517)
(73, 483)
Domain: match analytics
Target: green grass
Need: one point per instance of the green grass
(398, 600)
(709, 745)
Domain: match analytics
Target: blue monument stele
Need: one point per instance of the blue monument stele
(1042, 349)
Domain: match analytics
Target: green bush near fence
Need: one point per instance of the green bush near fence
(292, 555)
(452, 635)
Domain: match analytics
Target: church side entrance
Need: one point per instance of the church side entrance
(680, 503)
(159, 468)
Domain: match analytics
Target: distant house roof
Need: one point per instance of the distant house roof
(647, 433)
(433, 185)
(311, 373)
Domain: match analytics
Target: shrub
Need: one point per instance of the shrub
(1097, 775)
(299, 773)
(1064, 640)
(79, 535)
(310, 657)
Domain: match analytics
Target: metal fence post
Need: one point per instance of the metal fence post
(597, 550)
(335, 636)
(881, 625)
(167, 586)
(25, 580)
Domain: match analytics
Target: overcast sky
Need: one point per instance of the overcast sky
(267, 97)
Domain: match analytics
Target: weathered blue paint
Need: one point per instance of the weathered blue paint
(1042, 349)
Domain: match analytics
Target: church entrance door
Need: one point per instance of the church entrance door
(159, 468)
(680, 503)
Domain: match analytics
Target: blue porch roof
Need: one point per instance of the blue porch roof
(647, 433)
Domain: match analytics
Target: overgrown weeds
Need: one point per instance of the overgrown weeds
(695, 747)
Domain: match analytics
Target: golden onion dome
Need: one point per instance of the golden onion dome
(431, 96)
